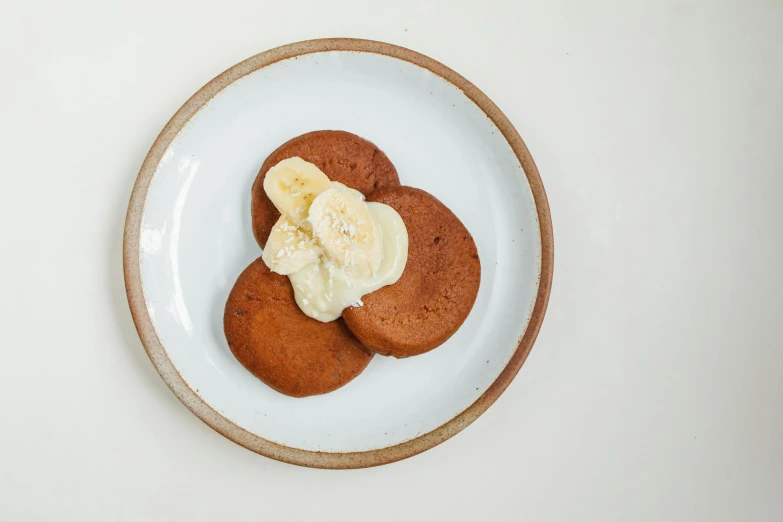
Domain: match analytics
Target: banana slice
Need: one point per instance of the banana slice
(342, 223)
(289, 248)
(292, 185)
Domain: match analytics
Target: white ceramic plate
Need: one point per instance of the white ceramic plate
(188, 237)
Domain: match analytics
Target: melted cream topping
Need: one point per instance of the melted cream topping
(323, 290)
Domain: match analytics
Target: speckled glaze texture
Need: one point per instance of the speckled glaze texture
(155, 349)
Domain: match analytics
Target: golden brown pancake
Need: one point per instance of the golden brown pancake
(342, 156)
(437, 289)
(276, 342)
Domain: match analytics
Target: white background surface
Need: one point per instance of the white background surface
(654, 391)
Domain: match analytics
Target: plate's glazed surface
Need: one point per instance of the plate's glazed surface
(188, 237)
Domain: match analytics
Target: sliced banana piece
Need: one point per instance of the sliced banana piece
(292, 185)
(289, 248)
(342, 224)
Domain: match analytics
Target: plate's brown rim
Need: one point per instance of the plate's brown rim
(191, 399)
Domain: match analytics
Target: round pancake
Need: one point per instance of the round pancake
(342, 156)
(276, 342)
(437, 289)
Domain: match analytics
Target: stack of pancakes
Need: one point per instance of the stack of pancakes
(299, 356)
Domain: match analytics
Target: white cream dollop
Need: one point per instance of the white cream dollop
(337, 248)
(323, 290)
